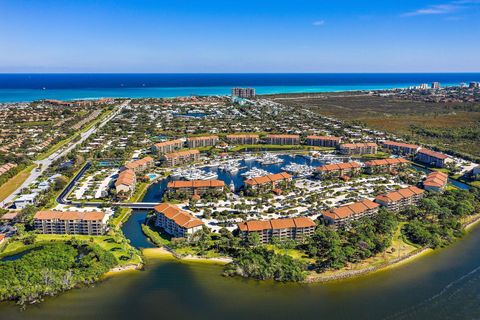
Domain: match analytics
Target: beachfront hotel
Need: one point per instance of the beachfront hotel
(399, 199)
(435, 181)
(204, 141)
(400, 147)
(287, 139)
(181, 157)
(245, 93)
(71, 222)
(176, 222)
(323, 141)
(270, 181)
(243, 138)
(167, 146)
(296, 229)
(433, 158)
(385, 165)
(339, 169)
(196, 187)
(341, 216)
(358, 148)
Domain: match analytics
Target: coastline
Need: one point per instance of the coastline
(161, 252)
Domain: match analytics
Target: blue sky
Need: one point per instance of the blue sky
(239, 36)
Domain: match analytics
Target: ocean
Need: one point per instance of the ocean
(30, 87)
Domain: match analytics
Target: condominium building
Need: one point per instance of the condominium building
(433, 158)
(400, 147)
(435, 85)
(435, 181)
(204, 141)
(386, 165)
(358, 148)
(71, 222)
(297, 229)
(323, 141)
(246, 93)
(341, 216)
(243, 138)
(125, 183)
(399, 199)
(176, 222)
(167, 146)
(181, 157)
(196, 187)
(270, 181)
(339, 169)
(141, 165)
(288, 139)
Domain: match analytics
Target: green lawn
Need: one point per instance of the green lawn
(11, 185)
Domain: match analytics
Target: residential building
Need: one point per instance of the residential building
(433, 158)
(270, 181)
(400, 147)
(6, 167)
(323, 141)
(399, 199)
(386, 165)
(358, 148)
(141, 165)
(243, 138)
(71, 222)
(474, 85)
(196, 187)
(200, 142)
(176, 222)
(339, 169)
(245, 93)
(296, 229)
(25, 200)
(435, 85)
(181, 157)
(288, 139)
(435, 181)
(125, 183)
(167, 146)
(341, 216)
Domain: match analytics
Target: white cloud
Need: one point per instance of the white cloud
(318, 23)
(445, 8)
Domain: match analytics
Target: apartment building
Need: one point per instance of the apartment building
(385, 165)
(297, 229)
(435, 181)
(71, 222)
(6, 167)
(167, 146)
(204, 141)
(399, 199)
(245, 93)
(196, 187)
(339, 169)
(125, 183)
(243, 138)
(288, 139)
(141, 165)
(176, 222)
(181, 157)
(358, 148)
(270, 181)
(400, 147)
(341, 216)
(323, 141)
(433, 158)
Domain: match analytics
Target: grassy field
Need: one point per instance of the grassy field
(11, 185)
(452, 126)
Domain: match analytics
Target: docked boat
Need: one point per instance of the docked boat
(299, 170)
(193, 174)
(254, 172)
(269, 158)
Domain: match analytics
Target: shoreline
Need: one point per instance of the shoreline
(161, 252)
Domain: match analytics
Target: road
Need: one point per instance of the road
(46, 163)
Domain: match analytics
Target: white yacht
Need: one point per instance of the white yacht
(254, 172)
(269, 158)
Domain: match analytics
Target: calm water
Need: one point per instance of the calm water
(28, 87)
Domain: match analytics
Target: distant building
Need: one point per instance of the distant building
(181, 157)
(71, 222)
(167, 146)
(270, 180)
(246, 93)
(339, 169)
(423, 86)
(141, 165)
(196, 187)
(385, 165)
(399, 199)
(433, 158)
(474, 85)
(296, 229)
(341, 216)
(176, 222)
(435, 85)
(203, 141)
(323, 141)
(358, 148)
(281, 139)
(400, 147)
(435, 181)
(243, 138)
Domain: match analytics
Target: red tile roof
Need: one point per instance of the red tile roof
(433, 154)
(400, 194)
(69, 215)
(436, 179)
(386, 162)
(181, 154)
(351, 209)
(268, 178)
(330, 138)
(400, 144)
(180, 217)
(259, 225)
(339, 166)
